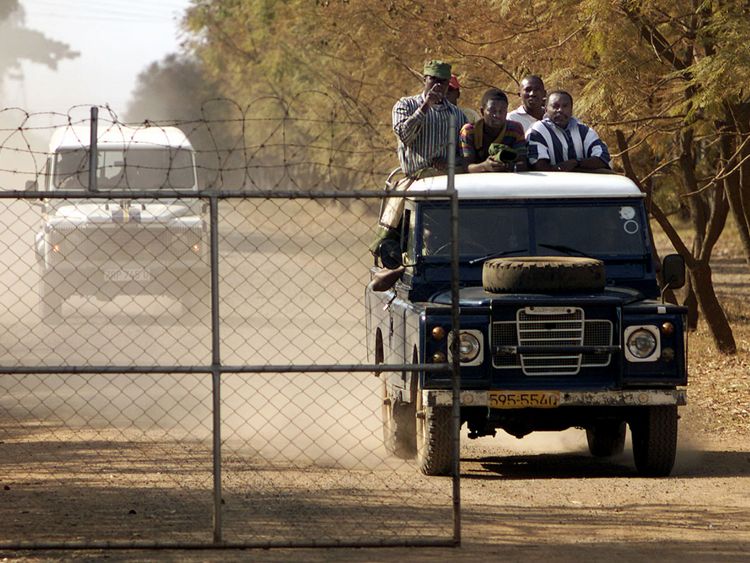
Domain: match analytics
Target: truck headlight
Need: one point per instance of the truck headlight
(469, 347)
(642, 343)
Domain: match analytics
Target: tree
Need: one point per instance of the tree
(21, 43)
(177, 91)
(663, 82)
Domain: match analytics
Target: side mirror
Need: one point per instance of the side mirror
(673, 271)
(31, 186)
(389, 251)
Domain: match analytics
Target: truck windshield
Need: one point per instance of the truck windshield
(607, 230)
(130, 169)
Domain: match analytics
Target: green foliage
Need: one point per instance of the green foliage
(647, 67)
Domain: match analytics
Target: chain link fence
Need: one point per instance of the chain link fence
(190, 369)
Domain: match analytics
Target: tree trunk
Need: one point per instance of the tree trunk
(717, 322)
(733, 182)
(743, 218)
(691, 302)
(708, 211)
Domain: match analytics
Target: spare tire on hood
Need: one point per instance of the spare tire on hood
(543, 274)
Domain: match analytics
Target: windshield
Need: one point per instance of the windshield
(542, 230)
(131, 169)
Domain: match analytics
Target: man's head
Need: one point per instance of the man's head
(494, 108)
(532, 94)
(559, 107)
(454, 90)
(437, 75)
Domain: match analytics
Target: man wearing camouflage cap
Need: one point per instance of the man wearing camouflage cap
(421, 124)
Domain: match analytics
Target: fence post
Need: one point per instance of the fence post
(215, 362)
(456, 363)
(93, 150)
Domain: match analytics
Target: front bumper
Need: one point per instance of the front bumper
(638, 398)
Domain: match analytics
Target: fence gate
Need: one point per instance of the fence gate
(197, 381)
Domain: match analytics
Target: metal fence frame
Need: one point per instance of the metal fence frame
(217, 369)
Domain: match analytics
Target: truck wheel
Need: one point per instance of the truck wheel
(654, 432)
(434, 444)
(543, 274)
(606, 438)
(398, 426)
(50, 301)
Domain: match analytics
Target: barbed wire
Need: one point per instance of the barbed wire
(266, 145)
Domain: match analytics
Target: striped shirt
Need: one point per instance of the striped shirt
(576, 142)
(423, 136)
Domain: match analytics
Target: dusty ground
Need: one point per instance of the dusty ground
(86, 475)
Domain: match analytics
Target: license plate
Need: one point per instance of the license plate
(126, 275)
(524, 399)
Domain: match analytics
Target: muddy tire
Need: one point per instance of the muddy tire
(606, 439)
(398, 426)
(433, 433)
(544, 274)
(654, 433)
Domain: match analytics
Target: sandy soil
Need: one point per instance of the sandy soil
(114, 458)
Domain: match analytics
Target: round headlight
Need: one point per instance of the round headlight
(468, 347)
(641, 343)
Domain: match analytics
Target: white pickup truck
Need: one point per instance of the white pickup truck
(105, 247)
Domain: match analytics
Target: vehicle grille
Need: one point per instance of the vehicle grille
(128, 243)
(563, 326)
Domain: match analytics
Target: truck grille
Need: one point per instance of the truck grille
(554, 327)
(128, 243)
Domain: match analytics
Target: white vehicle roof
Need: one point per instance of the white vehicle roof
(525, 185)
(116, 136)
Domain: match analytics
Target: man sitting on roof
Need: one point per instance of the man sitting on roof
(532, 96)
(421, 124)
(494, 144)
(562, 143)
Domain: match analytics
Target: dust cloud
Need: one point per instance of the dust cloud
(292, 282)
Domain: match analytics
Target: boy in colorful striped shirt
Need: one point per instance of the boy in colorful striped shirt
(494, 143)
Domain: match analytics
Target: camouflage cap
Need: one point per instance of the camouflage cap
(438, 69)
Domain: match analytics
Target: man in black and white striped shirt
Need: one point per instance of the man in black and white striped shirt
(421, 125)
(560, 142)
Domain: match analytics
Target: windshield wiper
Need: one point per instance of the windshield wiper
(569, 250)
(498, 254)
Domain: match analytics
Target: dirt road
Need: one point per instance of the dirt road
(113, 457)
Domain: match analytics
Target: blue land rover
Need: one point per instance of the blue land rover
(562, 320)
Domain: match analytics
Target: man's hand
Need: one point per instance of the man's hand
(434, 96)
(568, 165)
(492, 165)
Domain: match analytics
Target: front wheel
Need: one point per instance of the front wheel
(434, 438)
(654, 432)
